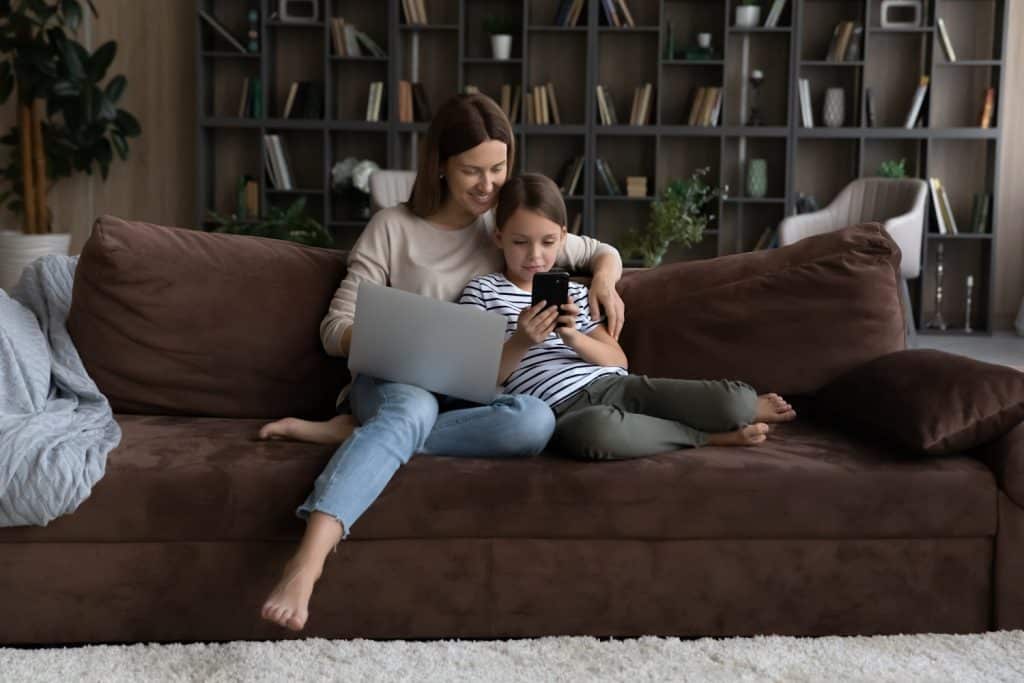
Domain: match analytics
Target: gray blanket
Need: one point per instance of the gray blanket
(56, 428)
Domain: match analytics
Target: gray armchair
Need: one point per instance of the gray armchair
(899, 204)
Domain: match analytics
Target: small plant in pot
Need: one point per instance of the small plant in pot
(893, 169)
(680, 215)
(67, 119)
(748, 13)
(500, 30)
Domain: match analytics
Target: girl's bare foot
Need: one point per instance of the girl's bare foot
(333, 431)
(751, 435)
(773, 408)
(288, 604)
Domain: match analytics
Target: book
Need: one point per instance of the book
(806, 111)
(256, 98)
(529, 113)
(842, 41)
(707, 106)
(634, 114)
(269, 165)
(915, 105)
(562, 13)
(243, 105)
(222, 30)
(293, 90)
(610, 15)
(636, 186)
(421, 10)
(251, 197)
(421, 107)
(610, 101)
(404, 102)
(616, 190)
(987, 107)
(774, 14)
(716, 108)
(553, 102)
(279, 162)
(869, 108)
(506, 100)
(833, 45)
(370, 44)
(577, 173)
(626, 14)
(979, 212)
(947, 44)
(695, 107)
(374, 101)
(947, 210)
(602, 175)
(337, 37)
(576, 12)
(940, 221)
(602, 106)
(351, 42)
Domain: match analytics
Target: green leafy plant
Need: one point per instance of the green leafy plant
(68, 119)
(291, 224)
(497, 26)
(679, 215)
(893, 169)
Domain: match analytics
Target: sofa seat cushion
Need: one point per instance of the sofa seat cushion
(208, 479)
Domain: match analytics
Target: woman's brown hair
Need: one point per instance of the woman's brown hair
(533, 192)
(462, 123)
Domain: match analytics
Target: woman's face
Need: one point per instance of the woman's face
(475, 176)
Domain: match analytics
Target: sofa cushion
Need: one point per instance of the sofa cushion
(182, 322)
(925, 401)
(786, 320)
(202, 479)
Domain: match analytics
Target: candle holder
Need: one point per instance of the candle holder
(938, 322)
(967, 307)
(756, 80)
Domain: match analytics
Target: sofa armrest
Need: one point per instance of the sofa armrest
(1005, 457)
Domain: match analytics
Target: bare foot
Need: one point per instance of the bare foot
(751, 435)
(288, 604)
(333, 431)
(773, 408)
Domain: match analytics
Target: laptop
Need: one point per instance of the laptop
(439, 346)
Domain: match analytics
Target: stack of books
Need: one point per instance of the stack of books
(348, 41)
(606, 106)
(636, 186)
(375, 101)
(979, 212)
(944, 219)
(616, 13)
(806, 111)
(568, 13)
(845, 44)
(541, 106)
(415, 12)
(510, 101)
(706, 107)
(569, 180)
(641, 112)
(412, 102)
(604, 173)
(252, 99)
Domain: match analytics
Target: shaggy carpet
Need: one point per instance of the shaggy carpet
(997, 656)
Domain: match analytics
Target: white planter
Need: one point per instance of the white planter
(748, 16)
(17, 250)
(501, 45)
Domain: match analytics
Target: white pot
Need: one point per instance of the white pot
(17, 250)
(748, 16)
(501, 45)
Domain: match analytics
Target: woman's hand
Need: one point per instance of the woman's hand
(535, 323)
(605, 298)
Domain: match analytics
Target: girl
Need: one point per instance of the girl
(431, 245)
(578, 369)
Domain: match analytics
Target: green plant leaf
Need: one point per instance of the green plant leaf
(72, 59)
(66, 89)
(101, 60)
(116, 88)
(72, 12)
(120, 145)
(128, 124)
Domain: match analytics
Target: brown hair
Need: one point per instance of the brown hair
(534, 192)
(462, 123)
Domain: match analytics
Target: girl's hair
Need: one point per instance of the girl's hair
(462, 123)
(534, 192)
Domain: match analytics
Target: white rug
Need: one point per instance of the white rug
(997, 656)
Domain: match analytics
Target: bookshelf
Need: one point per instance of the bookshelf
(452, 51)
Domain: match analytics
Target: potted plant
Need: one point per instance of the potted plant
(748, 13)
(291, 224)
(352, 175)
(500, 30)
(67, 119)
(893, 169)
(679, 215)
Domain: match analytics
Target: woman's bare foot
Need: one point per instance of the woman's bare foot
(288, 604)
(773, 408)
(751, 435)
(333, 431)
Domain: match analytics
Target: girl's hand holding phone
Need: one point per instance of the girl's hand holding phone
(535, 323)
(565, 323)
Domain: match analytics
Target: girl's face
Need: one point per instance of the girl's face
(530, 243)
(475, 176)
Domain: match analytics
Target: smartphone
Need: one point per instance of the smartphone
(552, 287)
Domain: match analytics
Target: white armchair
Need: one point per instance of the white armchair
(899, 204)
(389, 188)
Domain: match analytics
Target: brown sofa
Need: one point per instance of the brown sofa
(197, 339)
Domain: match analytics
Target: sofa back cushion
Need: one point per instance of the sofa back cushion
(170, 321)
(787, 320)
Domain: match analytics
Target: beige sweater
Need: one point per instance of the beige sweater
(400, 249)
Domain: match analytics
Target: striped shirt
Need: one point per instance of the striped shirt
(552, 370)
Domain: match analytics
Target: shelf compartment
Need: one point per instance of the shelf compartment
(560, 59)
(737, 155)
(824, 168)
(770, 54)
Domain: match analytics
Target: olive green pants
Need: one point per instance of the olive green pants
(633, 415)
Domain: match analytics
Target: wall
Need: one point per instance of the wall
(156, 52)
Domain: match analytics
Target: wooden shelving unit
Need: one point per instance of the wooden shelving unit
(453, 52)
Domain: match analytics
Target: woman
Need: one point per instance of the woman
(432, 245)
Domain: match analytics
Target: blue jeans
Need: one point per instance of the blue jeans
(398, 420)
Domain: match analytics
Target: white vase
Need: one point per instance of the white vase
(748, 16)
(17, 250)
(501, 45)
